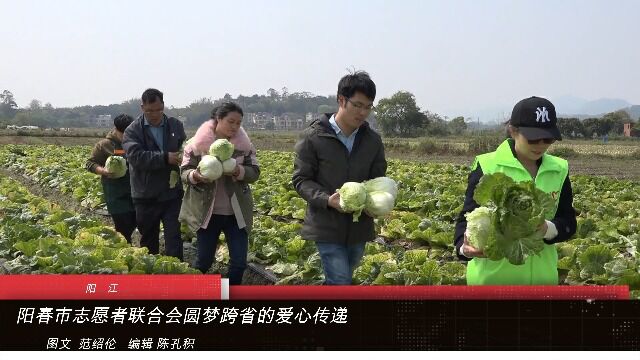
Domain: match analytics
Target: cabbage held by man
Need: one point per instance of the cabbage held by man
(376, 196)
(116, 165)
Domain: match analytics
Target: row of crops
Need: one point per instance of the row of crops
(37, 236)
(415, 244)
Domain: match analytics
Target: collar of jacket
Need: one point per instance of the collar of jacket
(324, 128)
(506, 156)
(114, 138)
(146, 122)
(146, 132)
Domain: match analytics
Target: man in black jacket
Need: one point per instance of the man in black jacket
(333, 150)
(152, 143)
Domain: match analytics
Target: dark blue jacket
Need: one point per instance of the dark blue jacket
(148, 167)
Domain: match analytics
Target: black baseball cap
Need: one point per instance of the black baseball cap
(535, 118)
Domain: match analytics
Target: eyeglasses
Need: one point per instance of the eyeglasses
(546, 141)
(361, 106)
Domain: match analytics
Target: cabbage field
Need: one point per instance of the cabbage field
(44, 234)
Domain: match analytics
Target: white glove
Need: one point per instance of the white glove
(552, 231)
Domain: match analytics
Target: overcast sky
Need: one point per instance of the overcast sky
(457, 57)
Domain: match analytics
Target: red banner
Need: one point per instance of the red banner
(110, 287)
(212, 287)
(429, 292)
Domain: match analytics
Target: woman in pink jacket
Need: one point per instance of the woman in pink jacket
(224, 205)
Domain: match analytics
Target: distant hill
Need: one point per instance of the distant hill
(633, 111)
(570, 106)
(603, 106)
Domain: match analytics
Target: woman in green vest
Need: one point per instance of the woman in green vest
(532, 129)
(117, 191)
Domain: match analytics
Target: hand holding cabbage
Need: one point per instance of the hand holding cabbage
(210, 168)
(376, 197)
(115, 166)
(218, 162)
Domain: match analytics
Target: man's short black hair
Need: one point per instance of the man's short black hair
(122, 121)
(359, 81)
(152, 95)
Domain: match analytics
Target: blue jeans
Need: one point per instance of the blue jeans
(237, 241)
(339, 261)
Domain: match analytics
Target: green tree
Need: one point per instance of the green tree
(435, 124)
(616, 120)
(595, 127)
(273, 94)
(457, 126)
(400, 116)
(198, 111)
(256, 108)
(35, 105)
(325, 109)
(635, 129)
(8, 106)
(571, 127)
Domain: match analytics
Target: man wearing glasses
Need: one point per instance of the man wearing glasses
(152, 144)
(333, 150)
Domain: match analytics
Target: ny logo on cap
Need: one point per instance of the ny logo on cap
(542, 115)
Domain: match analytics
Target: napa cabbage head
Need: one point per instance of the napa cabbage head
(379, 203)
(479, 226)
(116, 165)
(353, 197)
(382, 184)
(228, 165)
(210, 167)
(222, 149)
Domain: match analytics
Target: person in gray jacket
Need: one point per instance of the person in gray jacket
(333, 150)
(152, 143)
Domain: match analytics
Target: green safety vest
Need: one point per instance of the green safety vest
(541, 269)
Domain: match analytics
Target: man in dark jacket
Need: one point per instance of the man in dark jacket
(333, 150)
(117, 191)
(152, 143)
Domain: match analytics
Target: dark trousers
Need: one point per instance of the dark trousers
(237, 242)
(125, 223)
(148, 217)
